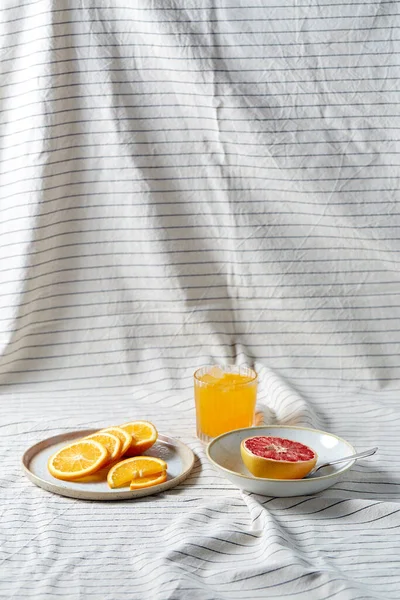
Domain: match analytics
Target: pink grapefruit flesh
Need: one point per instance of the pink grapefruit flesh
(277, 458)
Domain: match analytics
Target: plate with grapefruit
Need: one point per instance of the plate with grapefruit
(278, 461)
(119, 462)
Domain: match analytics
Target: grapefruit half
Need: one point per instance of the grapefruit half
(277, 458)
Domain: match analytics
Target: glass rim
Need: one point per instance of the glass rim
(253, 380)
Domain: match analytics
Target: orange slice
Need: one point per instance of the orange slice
(111, 442)
(143, 433)
(78, 459)
(123, 435)
(136, 469)
(144, 482)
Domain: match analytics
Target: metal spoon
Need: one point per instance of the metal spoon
(344, 459)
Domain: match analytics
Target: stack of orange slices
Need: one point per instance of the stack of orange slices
(100, 453)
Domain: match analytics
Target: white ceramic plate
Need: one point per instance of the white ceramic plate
(224, 454)
(178, 456)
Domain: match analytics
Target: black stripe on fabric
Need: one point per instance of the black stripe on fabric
(155, 93)
(170, 378)
(197, 323)
(205, 130)
(242, 143)
(221, 274)
(186, 226)
(208, 166)
(198, 299)
(191, 263)
(133, 94)
(122, 326)
(175, 167)
(201, 153)
(327, 385)
(191, 590)
(189, 178)
(219, 238)
(164, 116)
(176, 202)
(186, 215)
(221, 285)
(197, 83)
(264, 157)
(87, 365)
(197, 59)
(83, 243)
(169, 357)
(203, 71)
(192, 8)
(218, 20)
(180, 191)
(200, 58)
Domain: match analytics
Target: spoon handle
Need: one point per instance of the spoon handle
(351, 457)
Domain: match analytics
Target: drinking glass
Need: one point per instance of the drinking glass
(225, 398)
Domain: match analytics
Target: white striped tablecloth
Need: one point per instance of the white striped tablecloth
(186, 183)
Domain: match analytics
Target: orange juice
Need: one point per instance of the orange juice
(225, 399)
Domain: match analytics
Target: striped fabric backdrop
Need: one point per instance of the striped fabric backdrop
(184, 183)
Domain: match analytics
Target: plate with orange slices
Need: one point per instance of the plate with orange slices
(115, 463)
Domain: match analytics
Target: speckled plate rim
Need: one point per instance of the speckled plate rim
(185, 454)
(263, 427)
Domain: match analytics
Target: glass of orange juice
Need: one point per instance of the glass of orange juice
(225, 398)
